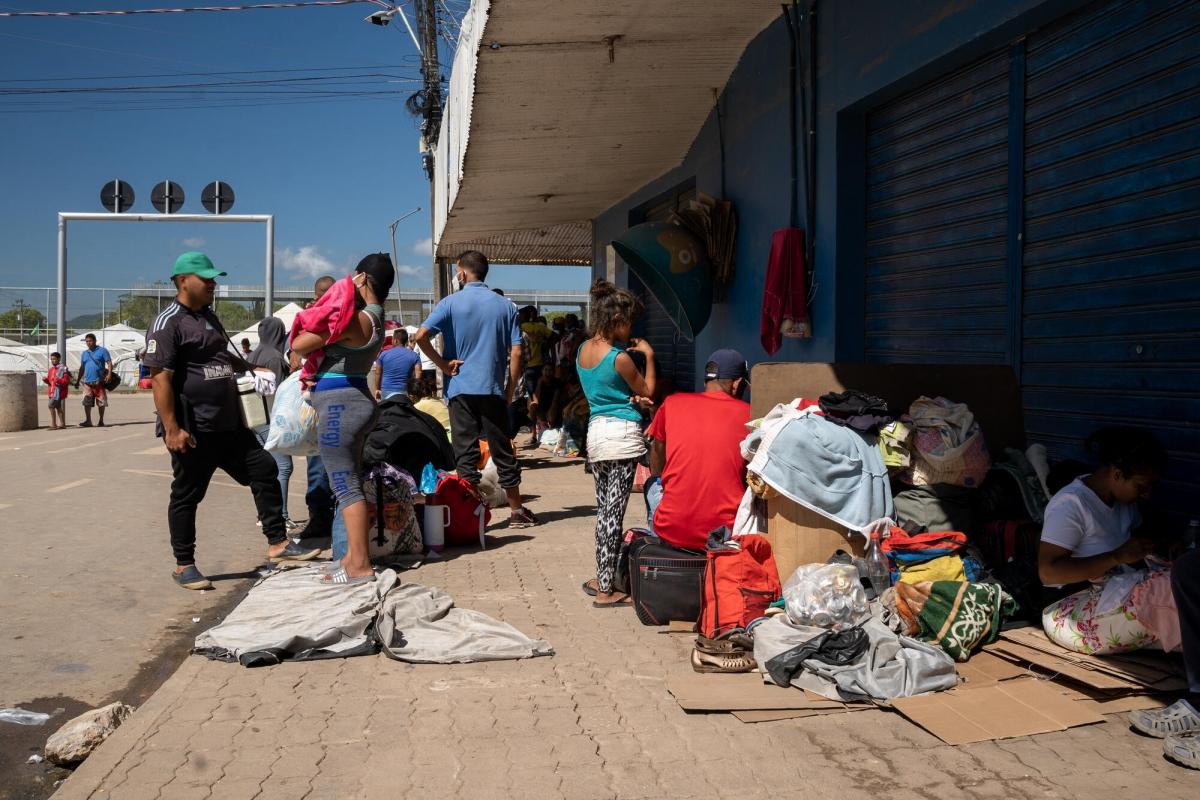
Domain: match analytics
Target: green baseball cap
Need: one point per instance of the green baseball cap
(196, 264)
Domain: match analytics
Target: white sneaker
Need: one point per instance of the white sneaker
(1179, 717)
(1183, 748)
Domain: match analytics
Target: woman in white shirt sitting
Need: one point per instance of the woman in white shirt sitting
(1087, 534)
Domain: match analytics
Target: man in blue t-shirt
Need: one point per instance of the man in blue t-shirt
(95, 368)
(398, 367)
(480, 338)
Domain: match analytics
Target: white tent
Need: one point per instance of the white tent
(286, 315)
(36, 358)
(118, 335)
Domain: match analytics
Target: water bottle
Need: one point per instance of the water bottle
(879, 572)
(1191, 535)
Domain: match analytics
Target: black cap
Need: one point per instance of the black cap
(730, 364)
(378, 267)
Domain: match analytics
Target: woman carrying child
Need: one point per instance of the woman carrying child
(611, 383)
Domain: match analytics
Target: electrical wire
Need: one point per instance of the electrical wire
(189, 9)
(415, 59)
(19, 91)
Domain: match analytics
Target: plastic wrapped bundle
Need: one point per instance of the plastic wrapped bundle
(826, 596)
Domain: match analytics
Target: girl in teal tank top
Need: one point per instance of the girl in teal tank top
(615, 443)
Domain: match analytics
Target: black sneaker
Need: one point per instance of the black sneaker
(192, 578)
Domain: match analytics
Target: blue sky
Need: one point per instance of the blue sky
(334, 170)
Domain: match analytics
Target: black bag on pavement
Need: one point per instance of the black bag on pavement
(666, 583)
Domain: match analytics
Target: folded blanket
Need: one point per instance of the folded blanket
(956, 615)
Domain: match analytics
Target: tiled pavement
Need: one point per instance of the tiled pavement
(593, 721)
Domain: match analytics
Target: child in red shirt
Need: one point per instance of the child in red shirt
(57, 379)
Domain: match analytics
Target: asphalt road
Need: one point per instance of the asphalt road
(89, 611)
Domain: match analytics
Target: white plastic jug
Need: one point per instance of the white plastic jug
(434, 530)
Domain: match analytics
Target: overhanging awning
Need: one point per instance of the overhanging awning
(556, 111)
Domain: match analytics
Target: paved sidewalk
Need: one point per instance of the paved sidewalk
(593, 721)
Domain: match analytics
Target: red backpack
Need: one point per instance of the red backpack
(738, 586)
(468, 516)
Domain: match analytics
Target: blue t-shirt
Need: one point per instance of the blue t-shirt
(93, 362)
(395, 368)
(478, 327)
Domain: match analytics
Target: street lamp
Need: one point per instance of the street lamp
(396, 259)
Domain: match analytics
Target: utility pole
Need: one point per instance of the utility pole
(427, 27)
(20, 305)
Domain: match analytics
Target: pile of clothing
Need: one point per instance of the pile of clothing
(830, 464)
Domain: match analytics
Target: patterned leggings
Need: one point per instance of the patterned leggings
(614, 482)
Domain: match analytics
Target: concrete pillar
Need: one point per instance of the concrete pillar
(18, 401)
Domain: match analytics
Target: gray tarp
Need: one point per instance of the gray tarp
(421, 624)
(293, 614)
(893, 666)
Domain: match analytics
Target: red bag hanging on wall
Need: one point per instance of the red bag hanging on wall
(738, 586)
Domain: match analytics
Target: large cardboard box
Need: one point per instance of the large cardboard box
(800, 536)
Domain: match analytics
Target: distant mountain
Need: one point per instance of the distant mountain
(85, 321)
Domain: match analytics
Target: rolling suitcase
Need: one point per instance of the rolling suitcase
(667, 583)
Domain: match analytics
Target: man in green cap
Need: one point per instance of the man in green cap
(193, 373)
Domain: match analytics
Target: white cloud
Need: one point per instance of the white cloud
(411, 271)
(306, 260)
(423, 247)
(194, 241)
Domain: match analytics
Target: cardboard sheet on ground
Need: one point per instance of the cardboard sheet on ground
(1020, 707)
(775, 716)
(987, 669)
(1147, 670)
(744, 692)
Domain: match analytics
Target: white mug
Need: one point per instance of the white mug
(434, 533)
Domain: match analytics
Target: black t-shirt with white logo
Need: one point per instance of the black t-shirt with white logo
(192, 345)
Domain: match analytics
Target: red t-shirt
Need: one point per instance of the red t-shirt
(704, 476)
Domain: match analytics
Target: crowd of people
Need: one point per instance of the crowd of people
(504, 368)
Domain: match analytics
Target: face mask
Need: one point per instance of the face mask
(455, 283)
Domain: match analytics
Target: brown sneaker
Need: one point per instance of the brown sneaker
(727, 662)
(522, 518)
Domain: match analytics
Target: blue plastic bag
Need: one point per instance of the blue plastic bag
(429, 479)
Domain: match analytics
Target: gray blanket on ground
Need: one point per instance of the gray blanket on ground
(893, 666)
(293, 614)
(421, 624)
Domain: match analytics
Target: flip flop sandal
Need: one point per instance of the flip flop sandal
(590, 587)
(624, 602)
(339, 576)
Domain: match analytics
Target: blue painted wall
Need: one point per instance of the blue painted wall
(867, 50)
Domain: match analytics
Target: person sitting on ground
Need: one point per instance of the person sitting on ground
(1087, 533)
(398, 367)
(422, 393)
(611, 382)
(696, 457)
(56, 380)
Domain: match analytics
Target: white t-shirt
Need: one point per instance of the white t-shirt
(426, 361)
(1080, 521)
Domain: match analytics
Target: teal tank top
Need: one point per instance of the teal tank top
(354, 362)
(607, 392)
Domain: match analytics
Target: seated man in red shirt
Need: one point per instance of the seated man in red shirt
(695, 453)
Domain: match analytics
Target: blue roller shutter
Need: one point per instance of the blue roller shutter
(1111, 280)
(937, 203)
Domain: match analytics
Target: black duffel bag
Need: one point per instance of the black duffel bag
(667, 583)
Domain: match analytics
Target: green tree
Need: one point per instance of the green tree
(22, 319)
